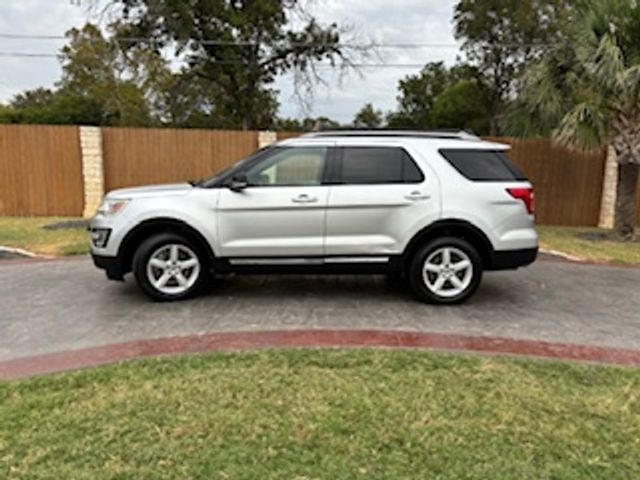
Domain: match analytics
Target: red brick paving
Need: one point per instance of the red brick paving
(94, 356)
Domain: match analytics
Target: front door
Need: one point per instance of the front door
(282, 211)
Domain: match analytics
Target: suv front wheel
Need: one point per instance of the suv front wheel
(447, 270)
(168, 267)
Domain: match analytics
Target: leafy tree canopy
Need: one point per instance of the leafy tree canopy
(501, 36)
(420, 104)
(368, 117)
(461, 106)
(237, 47)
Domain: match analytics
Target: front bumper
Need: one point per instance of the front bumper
(512, 259)
(111, 265)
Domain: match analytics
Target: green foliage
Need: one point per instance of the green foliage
(306, 125)
(99, 86)
(461, 106)
(417, 96)
(501, 36)
(368, 117)
(441, 97)
(94, 68)
(255, 42)
(62, 108)
(584, 91)
(324, 414)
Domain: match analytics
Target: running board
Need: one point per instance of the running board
(307, 261)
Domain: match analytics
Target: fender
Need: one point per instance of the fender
(452, 227)
(142, 230)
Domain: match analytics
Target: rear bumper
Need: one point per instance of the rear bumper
(111, 265)
(512, 259)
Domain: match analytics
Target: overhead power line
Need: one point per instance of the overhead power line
(28, 55)
(321, 65)
(228, 43)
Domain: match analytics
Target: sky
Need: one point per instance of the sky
(379, 21)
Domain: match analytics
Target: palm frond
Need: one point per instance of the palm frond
(631, 87)
(541, 90)
(584, 127)
(607, 64)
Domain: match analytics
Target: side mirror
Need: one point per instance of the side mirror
(238, 183)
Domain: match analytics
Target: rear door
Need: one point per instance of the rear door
(379, 198)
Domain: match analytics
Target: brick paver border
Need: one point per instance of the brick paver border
(102, 355)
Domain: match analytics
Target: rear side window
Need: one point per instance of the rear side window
(375, 165)
(483, 165)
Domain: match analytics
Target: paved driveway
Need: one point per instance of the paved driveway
(59, 305)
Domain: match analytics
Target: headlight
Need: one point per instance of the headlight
(112, 207)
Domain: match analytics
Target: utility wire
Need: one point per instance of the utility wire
(28, 55)
(229, 43)
(322, 65)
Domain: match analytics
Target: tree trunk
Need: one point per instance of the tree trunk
(625, 217)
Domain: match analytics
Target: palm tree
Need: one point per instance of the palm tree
(589, 90)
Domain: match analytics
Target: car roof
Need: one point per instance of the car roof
(440, 139)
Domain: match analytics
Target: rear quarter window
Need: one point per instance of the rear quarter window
(483, 165)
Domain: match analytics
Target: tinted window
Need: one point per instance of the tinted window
(367, 165)
(483, 165)
(289, 167)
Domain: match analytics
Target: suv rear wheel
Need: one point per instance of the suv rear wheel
(169, 267)
(446, 270)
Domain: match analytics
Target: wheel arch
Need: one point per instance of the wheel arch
(145, 229)
(452, 228)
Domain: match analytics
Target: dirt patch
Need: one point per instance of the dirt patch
(10, 254)
(601, 237)
(66, 225)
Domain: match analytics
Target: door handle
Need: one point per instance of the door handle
(415, 196)
(304, 198)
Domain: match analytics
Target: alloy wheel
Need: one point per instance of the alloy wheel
(173, 269)
(447, 271)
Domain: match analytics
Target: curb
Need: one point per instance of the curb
(238, 341)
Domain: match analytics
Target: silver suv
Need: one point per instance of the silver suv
(437, 208)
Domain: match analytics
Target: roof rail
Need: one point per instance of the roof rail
(443, 134)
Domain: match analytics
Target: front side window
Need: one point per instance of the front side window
(296, 166)
(375, 165)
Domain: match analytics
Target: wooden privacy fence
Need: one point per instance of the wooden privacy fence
(40, 170)
(135, 156)
(50, 170)
(568, 183)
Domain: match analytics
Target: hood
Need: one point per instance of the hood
(169, 189)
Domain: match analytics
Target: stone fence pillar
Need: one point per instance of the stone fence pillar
(92, 169)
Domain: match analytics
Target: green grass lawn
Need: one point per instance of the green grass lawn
(27, 233)
(568, 240)
(330, 414)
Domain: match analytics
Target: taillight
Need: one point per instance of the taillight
(526, 195)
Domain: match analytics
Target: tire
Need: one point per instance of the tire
(434, 280)
(169, 267)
